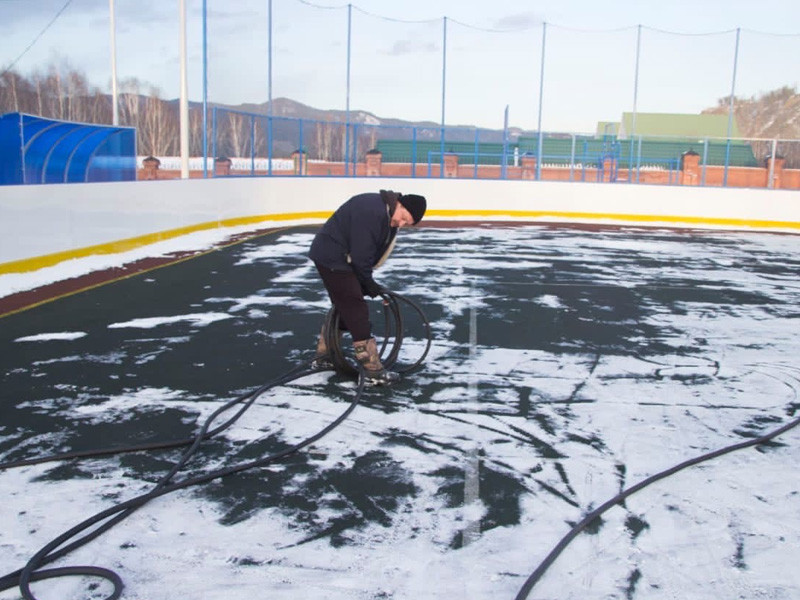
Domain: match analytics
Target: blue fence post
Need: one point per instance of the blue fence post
(635, 100)
(773, 155)
(630, 160)
(214, 135)
(504, 168)
(572, 159)
(300, 146)
(414, 152)
(252, 145)
(705, 161)
(444, 88)
(476, 152)
(347, 107)
(727, 162)
(730, 110)
(269, 146)
(355, 149)
(205, 89)
(269, 88)
(639, 160)
(541, 93)
(539, 157)
(584, 159)
(441, 153)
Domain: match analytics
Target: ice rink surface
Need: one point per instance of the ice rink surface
(567, 364)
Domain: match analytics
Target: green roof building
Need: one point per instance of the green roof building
(673, 125)
(659, 140)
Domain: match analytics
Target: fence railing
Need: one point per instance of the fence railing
(333, 148)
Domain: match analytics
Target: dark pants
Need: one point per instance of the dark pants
(345, 293)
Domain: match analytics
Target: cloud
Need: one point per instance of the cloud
(518, 21)
(130, 15)
(404, 47)
(236, 19)
(15, 12)
(32, 17)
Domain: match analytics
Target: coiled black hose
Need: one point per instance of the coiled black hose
(106, 519)
(394, 332)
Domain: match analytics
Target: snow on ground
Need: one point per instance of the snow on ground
(566, 366)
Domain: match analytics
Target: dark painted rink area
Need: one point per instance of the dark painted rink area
(566, 366)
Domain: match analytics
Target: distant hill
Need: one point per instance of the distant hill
(286, 107)
(426, 130)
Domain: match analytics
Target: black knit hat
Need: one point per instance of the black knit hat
(414, 204)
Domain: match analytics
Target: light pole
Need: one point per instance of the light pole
(184, 101)
(114, 94)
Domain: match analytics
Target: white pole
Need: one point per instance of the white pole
(114, 99)
(184, 102)
(773, 154)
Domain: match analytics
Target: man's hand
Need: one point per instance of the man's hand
(372, 288)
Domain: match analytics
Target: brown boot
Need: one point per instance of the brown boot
(374, 373)
(322, 359)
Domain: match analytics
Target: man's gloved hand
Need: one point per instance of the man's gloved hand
(372, 288)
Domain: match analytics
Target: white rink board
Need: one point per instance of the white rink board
(39, 220)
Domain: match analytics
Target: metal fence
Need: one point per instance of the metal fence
(546, 75)
(554, 77)
(287, 146)
(543, 78)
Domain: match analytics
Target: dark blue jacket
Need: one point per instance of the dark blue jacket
(357, 234)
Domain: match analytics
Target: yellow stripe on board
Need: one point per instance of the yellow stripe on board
(539, 214)
(48, 260)
(139, 272)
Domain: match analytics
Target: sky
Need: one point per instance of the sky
(461, 62)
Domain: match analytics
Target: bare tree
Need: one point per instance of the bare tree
(260, 137)
(39, 100)
(77, 90)
(42, 100)
(238, 137)
(57, 93)
(366, 141)
(158, 127)
(130, 102)
(17, 93)
(99, 109)
(10, 84)
(196, 132)
(330, 140)
(322, 138)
